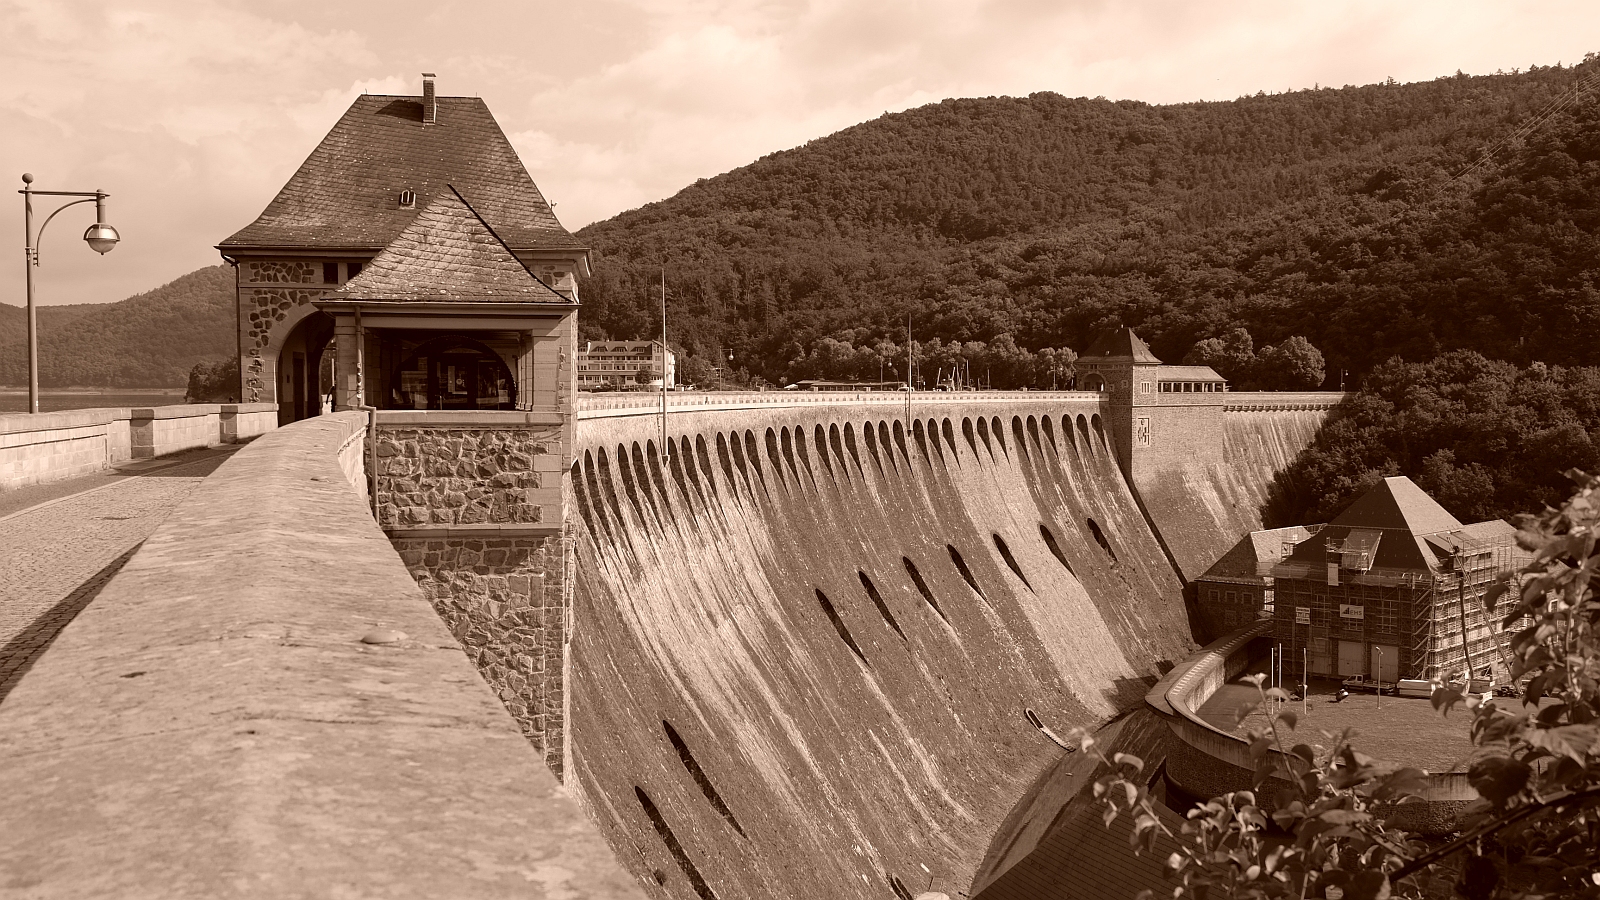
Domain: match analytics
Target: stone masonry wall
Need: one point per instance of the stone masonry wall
(467, 476)
(503, 599)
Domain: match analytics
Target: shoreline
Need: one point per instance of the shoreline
(91, 391)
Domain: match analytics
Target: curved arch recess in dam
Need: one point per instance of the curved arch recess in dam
(803, 647)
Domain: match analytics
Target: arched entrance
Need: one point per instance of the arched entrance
(303, 377)
(1094, 382)
(452, 371)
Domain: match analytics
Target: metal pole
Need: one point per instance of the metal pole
(33, 319)
(666, 452)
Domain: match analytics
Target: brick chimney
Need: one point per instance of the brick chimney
(430, 106)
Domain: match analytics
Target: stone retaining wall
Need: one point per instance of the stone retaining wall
(504, 600)
(468, 474)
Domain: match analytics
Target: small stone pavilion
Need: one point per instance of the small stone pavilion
(411, 266)
(387, 159)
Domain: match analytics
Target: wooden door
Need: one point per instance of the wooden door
(1352, 659)
(1386, 662)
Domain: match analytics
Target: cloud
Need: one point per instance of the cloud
(193, 114)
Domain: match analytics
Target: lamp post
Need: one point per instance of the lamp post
(100, 237)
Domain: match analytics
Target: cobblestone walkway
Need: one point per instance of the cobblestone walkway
(55, 557)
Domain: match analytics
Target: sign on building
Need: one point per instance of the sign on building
(1302, 615)
(1352, 611)
(1144, 431)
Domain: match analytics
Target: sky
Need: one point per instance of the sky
(192, 113)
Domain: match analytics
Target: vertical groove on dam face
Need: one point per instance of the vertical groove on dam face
(795, 605)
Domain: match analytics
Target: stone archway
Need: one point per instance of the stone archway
(297, 373)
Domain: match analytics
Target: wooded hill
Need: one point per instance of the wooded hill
(148, 340)
(1332, 213)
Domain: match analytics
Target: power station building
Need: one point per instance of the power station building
(1392, 588)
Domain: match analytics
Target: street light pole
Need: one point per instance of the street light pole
(100, 237)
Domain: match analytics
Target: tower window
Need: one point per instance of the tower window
(353, 268)
(330, 273)
(408, 199)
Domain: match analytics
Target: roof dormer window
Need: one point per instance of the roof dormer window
(408, 199)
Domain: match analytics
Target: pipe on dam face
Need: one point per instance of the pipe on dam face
(843, 614)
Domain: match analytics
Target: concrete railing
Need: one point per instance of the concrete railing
(1213, 761)
(1249, 401)
(591, 406)
(215, 723)
(36, 449)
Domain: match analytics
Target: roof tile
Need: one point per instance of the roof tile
(346, 194)
(448, 253)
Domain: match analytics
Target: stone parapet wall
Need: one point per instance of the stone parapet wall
(38, 449)
(243, 421)
(214, 724)
(504, 600)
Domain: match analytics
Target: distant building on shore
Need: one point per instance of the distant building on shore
(619, 364)
(1392, 588)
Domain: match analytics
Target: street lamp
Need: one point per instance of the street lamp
(100, 237)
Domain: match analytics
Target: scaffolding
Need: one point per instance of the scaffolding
(1435, 619)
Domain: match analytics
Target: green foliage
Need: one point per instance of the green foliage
(1484, 437)
(1293, 365)
(214, 382)
(1534, 832)
(1332, 215)
(999, 363)
(152, 339)
(1320, 832)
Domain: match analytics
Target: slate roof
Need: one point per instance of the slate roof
(1397, 502)
(1399, 525)
(1256, 553)
(448, 253)
(1120, 344)
(1189, 373)
(346, 194)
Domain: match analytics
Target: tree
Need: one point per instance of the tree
(1535, 832)
(695, 370)
(1293, 365)
(213, 382)
(1233, 355)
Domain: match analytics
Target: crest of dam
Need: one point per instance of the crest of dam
(809, 641)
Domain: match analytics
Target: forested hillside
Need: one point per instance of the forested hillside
(148, 340)
(1334, 214)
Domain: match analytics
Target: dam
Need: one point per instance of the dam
(819, 637)
(441, 625)
(810, 645)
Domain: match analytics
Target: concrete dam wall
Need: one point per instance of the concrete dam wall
(1202, 506)
(805, 647)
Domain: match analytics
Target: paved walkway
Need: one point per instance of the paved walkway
(59, 550)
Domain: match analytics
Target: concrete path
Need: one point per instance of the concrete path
(60, 543)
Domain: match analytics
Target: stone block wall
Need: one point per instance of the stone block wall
(269, 293)
(465, 475)
(504, 600)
